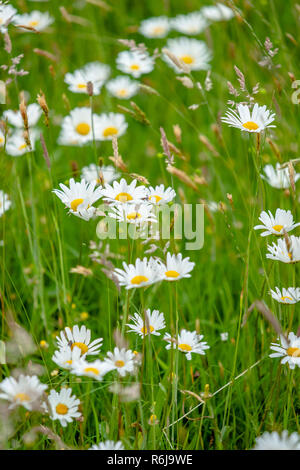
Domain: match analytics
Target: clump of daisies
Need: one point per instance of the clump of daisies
(288, 350)
(187, 342)
(250, 120)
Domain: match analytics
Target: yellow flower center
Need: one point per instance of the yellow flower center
(81, 86)
(184, 347)
(187, 59)
(69, 362)
(93, 370)
(278, 228)
(83, 128)
(158, 30)
(1, 140)
(144, 330)
(22, 147)
(139, 279)
(294, 352)
(120, 363)
(156, 198)
(109, 131)
(33, 23)
(61, 409)
(135, 67)
(122, 92)
(286, 297)
(83, 347)
(22, 397)
(171, 273)
(75, 203)
(123, 197)
(133, 216)
(250, 125)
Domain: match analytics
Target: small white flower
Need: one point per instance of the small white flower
(35, 19)
(76, 129)
(224, 336)
(34, 113)
(63, 406)
(193, 23)
(95, 173)
(111, 124)
(278, 225)
(96, 369)
(5, 202)
(121, 360)
(176, 267)
(281, 252)
(7, 12)
(137, 214)
(188, 342)
(156, 27)
(159, 195)
(108, 445)
(16, 146)
(218, 12)
(26, 390)
(278, 178)
(66, 356)
(142, 273)
(155, 321)
(193, 53)
(122, 87)
(80, 338)
(79, 197)
(275, 441)
(257, 120)
(291, 295)
(121, 192)
(93, 72)
(288, 350)
(136, 63)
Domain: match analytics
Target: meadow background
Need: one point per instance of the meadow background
(41, 243)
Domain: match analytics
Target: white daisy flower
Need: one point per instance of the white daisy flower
(76, 129)
(122, 192)
(136, 63)
(142, 273)
(35, 19)
(193, 23)
(218, 12)
(224, 336)
(278, 178)
(66, 357)
(111, 124)
(156, 27)
(93, 72)
(291, 295)
(282, 222)
(95, 173)
(80, 338)
(257, 120)
(63, 406)
(16, 146)
(26, 390)
(137, 214)
(281, 252)
(108, 445)
(122, 87)
(275, 441)
(159, 195)
(121, 360)
(5, 202)
(14, 118)
(96, 369)
(6, 13)
(188, 342)
(2, 139)
(176, 267)
(193, 53)
(79, 197)
(155, 322)
(288, 350)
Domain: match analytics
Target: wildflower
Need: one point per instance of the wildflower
(121, 192)
(17, 144)
(278, 225)
(35, 19)
(156, 27)
(96, 370)
(278, 178)
(111, 124)
(275, 441)
(84, 316)
(176, 267)
(284, 253)
(137, 214)
(289, 350)
(44, 344)
(122, 87)
(136, 63)
(291, 295)
(63, 406)
(66, 356)
(101, 175)
(159, 195)
(142, 273)
(257, 120)
(76, 129)
(80, 338)
(14, 118)
(93, 72)
(26, 391)
(154, 322)
(193, 54)
(224, 336)
(121, 360)
(188, 342)
(191, 24)
(5, 202)
(6, 13)
(108, 445)
(218, 12)
(79, 197)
